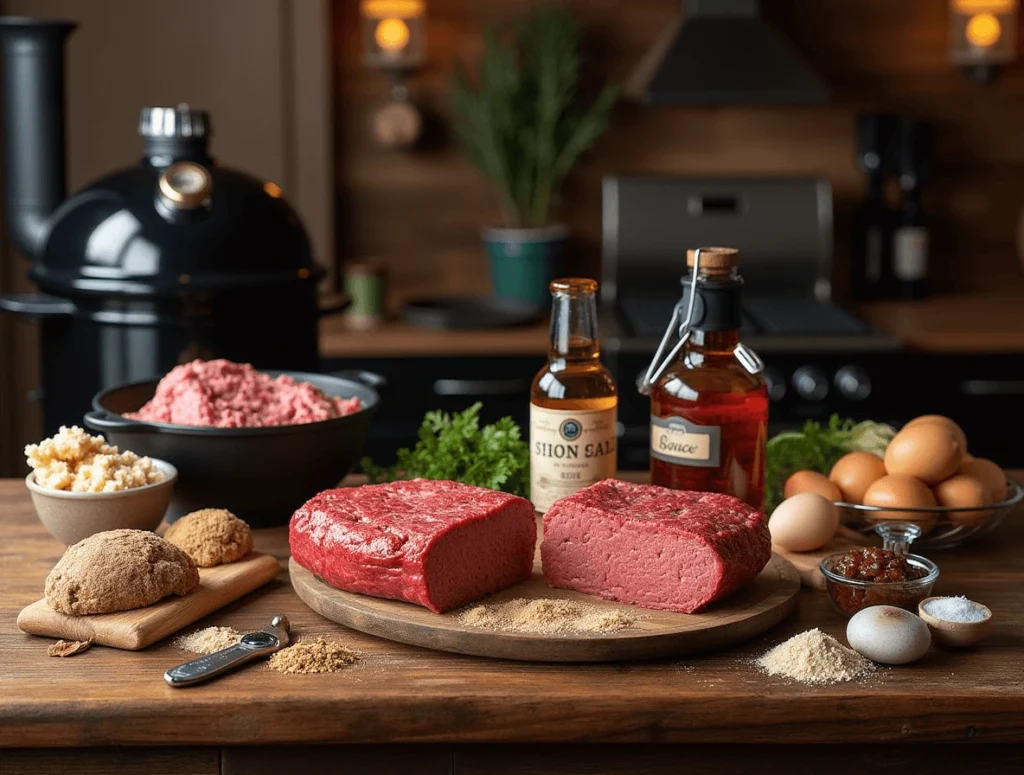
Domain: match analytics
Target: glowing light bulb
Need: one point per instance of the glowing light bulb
(983, 30)
(392, 35)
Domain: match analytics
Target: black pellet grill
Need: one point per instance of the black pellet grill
(175, 258)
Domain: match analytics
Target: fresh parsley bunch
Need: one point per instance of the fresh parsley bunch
(455, 447)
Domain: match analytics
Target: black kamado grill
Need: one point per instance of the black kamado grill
(175, 258)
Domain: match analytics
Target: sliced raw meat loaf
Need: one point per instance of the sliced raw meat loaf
(437, 544)
(672, 550)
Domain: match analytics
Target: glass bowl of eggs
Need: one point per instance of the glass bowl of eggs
(942, 527)
(926, 478)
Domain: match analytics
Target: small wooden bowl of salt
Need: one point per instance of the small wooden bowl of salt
(955, 621)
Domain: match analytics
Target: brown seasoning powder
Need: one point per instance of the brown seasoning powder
(313, 656)
(208, 640)
(547, 617)
(813, 657)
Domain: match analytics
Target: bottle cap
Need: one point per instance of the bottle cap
(715, 260)
(573, 285)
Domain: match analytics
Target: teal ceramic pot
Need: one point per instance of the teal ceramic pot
(525, 261)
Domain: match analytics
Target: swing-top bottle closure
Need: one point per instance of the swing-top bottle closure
(708, 265)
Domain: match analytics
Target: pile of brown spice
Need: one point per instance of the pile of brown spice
(313, 656)
(813, 657)
(547, 617)
(208, 640)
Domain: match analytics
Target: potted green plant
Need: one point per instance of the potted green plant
(524, 123)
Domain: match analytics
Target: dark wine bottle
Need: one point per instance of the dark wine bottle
(911, 237)
(871, 256)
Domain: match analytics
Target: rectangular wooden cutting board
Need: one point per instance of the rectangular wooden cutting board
(133, 630)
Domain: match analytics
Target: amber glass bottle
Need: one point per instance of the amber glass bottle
(573, 401)
(709, 408)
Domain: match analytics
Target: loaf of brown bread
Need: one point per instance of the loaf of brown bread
(118, 570)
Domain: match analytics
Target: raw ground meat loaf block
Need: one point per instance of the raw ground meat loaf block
(437, 544)
(672, 550)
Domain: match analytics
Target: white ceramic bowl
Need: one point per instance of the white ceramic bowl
(72, 516)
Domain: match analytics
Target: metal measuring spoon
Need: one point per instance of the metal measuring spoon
(253, 645)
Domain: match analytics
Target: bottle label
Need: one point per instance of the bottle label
(569, 450)
(674, 440)
(910, 253)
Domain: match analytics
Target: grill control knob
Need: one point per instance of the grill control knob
(810, 383)
(775, 383)
(853, 383)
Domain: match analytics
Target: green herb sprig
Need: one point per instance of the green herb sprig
(455, 447)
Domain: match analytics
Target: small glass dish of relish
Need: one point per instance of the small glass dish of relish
(863, 577)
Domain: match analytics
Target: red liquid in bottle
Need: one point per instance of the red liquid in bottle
(709, 416)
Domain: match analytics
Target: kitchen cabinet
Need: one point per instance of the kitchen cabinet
(417, 385)
(982, 392)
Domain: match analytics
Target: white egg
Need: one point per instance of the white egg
(803, 522)
(890, 635)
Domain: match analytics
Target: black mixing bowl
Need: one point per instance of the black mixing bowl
(260, 474)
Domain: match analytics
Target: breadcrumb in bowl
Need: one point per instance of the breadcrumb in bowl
(72, 516)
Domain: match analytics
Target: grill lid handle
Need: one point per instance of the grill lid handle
(39, 305)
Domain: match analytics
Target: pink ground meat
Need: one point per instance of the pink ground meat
(223, 394)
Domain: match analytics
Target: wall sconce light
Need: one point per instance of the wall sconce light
(394, 35)
(982, 35)
(394, 39)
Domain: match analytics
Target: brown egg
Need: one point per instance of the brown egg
(805, 522)
(990, 474)
(929, 451)
(854, 473)
(811, 481)
(938, 418)
(960, 491)
(893, 491)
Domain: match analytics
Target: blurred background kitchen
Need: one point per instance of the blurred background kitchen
(864, 155)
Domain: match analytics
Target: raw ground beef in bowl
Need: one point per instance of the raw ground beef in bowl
(222, 394)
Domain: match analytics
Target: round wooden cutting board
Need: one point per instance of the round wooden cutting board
(758, 606)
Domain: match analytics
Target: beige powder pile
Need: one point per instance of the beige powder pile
(208, 640)
(813, 657)
(313, 656)
(546, 617)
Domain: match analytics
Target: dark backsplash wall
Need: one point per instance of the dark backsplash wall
(423, 210)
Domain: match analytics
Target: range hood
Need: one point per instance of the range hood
(721, 52)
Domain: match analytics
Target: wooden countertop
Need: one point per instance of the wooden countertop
(968, 323)
(396, 338)
(403, 694)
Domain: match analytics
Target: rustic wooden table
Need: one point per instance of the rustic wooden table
(69, 714)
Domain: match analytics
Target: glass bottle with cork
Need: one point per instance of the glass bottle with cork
(709, 403)
(573, 401)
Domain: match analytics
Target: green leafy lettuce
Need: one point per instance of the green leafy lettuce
(455, 447)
